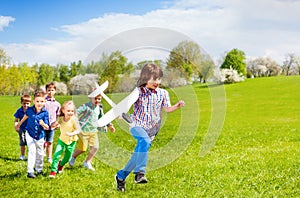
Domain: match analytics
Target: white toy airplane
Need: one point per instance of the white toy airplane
(117, 110)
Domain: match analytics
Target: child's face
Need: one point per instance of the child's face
(25, 104)
(153, 84)
(39, 103)
(68, 110)
(97, 100)
(51, 91)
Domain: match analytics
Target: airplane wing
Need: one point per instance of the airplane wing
(121, 107)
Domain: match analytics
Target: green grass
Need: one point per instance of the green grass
(256, 154)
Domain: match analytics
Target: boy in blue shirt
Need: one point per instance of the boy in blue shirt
(25, 101)
(38, 122)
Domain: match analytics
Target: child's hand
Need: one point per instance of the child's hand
(55, 125)
(45, 126)
(112, 128)
(180, 104)
(17, 127)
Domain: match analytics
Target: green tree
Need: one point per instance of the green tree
(236, 60)
(28, 78)
(4, 59)
(46, 74)
(115, 66)
(186, 57)
(64, 73)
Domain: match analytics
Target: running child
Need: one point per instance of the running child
(146, 122)
(25, 101)
(67, 139)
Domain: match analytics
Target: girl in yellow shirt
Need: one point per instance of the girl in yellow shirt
(67, 139)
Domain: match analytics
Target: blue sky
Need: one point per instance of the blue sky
(36, 31)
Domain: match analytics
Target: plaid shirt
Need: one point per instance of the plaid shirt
(148, 109)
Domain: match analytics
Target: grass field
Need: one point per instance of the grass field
(256, 155)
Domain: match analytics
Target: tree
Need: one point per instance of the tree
(289, 63)
(186, 57)
(64, 73)
(235, 59)
(46, 74)
(115, 66)
(262, 67)
(28, 78)
(4, 59)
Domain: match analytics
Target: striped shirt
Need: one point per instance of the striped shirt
(147, 110)
(53, 107)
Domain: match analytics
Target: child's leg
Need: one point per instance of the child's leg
(94, 145)
(31, 153)
(49, 145)
(139, 158)
(22, 142)
(141, 149)
(57, 154)
(39, 163)
(68, 153)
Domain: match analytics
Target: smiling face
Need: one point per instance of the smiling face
(153, 84)
(25, 105)
(39, 103)
(51, 91)
(68, 110)
(97, 100)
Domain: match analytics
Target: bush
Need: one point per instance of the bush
(228, 76)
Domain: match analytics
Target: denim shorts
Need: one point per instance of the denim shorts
(49, 135)
(22, 138)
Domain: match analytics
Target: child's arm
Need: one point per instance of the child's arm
(178, 105)
(55, 125)
(76, 127)
(21, 122)
(16, 123)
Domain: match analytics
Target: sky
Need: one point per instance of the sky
(64, 31)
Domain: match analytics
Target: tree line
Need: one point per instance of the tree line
(187, 63)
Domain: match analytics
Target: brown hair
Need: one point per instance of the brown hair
(149, 71)
(69, 102)
(39, 93)
(51, 84)
(25, 98)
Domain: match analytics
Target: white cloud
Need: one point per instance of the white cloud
(258, 27)
(4, 21)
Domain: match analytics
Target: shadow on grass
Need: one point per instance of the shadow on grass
(10, 159)
(12, 176)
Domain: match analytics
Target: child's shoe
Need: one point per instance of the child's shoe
(23, 158)
(72, 161)
(140, 178)
(31, 175)
(52, 174)
(49, 159)
(59, 168)
(88, 165)
(120, 184)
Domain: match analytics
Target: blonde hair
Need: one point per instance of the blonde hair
(149, 71)
(69, 102)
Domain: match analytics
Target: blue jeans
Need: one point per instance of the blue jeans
(139, 158)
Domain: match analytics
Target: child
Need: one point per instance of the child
(67, 139)
(146, 122)
(53, 107)
(38, 122)
(25, 101)
(88, 114)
